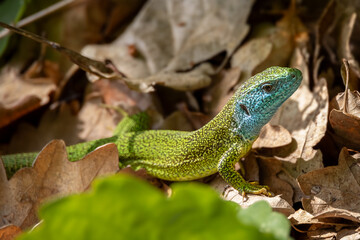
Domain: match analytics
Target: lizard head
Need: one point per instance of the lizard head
(257, 100)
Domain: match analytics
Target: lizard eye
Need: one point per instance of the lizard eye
(267, 87)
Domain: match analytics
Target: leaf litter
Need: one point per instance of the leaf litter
(187, 46)
(51, 175)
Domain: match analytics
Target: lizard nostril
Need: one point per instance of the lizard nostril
(293, 76)
(243, 107)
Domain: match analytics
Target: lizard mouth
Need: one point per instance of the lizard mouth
(243, 107)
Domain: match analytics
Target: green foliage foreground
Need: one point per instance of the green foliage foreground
(121, 207)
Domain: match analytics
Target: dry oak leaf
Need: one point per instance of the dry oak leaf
(346, 123)
(269, 172)
(93, 122)
(284, 37)
(217, 95)
(316, 228)
(19, 97)
(52, 175)
(230, 194)
(334, 189)
(304, 115)
(116, 93)
(272, 136)
(53, 124)
(250, 55)
(306, 221)
(174, 36)
(266, 170)
(9, 232)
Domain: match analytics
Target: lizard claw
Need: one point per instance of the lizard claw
(255, 188)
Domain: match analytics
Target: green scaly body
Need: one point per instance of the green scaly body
(216, 147)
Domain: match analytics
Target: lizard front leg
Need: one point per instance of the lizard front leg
(226, 168)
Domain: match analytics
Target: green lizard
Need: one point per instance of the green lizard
(216, 147)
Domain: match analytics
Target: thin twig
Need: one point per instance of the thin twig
(36, 16)
(87, 64)
(346, 65)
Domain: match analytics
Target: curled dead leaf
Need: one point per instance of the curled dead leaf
(270, 169)
(315, 227)
(9, 232)
(250, 55)
(345, 117)
(229, 193)
(347, 129)
(198, 78)
(272, 136)
(18, 96)
(187, 39)
(221, 90)
(334, 188)
(304, 115)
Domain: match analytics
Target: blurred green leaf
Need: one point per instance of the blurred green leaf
(261, 215)
(121, 207)
(10, 12)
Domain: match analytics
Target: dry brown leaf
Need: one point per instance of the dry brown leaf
(251, 166)
(269, 172)
(177, 121)
(18, 96)
(184, 120)
(272, 136)
(94, 21)
(43, 72)
(250, 55)
(283, 37)
(302, 217)
(345, 115)
(95, 121)
(347, 234)
(333, 216)
(334, 188)
(347, 129)
(198, 78)
(266, 170)
(314, 227)
(116, 93)
(52, 175)
(197, 119)
(270, 47)
(229, 193)
(323, 27)
(323, 234)
(53, 125)
(334, 233)
(98, 68)
(221, 91)
(141, 173)
(346, 121)
(352, 103)
(346, 27)
(92, 122)
(338, 18)
(9, 232)
(10, 113)
(176, 36)
(304, 115)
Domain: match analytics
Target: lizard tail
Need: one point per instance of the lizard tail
(14, 162)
